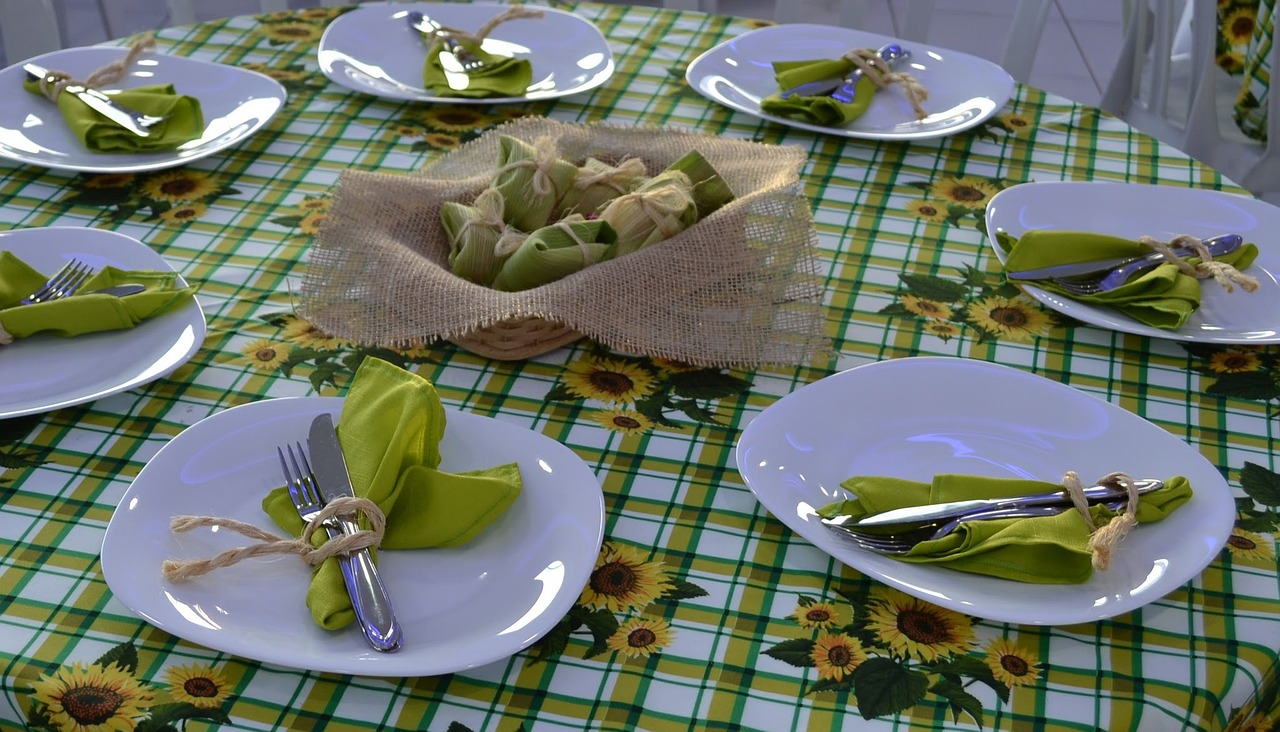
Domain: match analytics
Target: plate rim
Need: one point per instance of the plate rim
(1000, 613)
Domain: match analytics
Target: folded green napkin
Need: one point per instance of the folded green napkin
(85, 313)
(1163, 297)
(1046, 550)
(98, 133)
(555, 251)
(501, 76)
(823, 109)
(390, 430)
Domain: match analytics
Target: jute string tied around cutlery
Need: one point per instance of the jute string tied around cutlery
(873, 68)
(513, 13)
(181, 570)
(1221, 272)
(1104, 539)
(52, 84)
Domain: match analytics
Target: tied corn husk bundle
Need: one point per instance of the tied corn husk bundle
(532, 179)
(598, 182)
(659, 209)
(555, 251)
(474, 232)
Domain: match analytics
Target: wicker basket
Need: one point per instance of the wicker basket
(517, 339)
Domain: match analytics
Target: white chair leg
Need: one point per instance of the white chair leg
(1029, 18)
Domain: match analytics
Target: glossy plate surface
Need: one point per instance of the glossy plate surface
(917, 417)
(373, 50)
(47, 372)
(460, 608)
(964, 90)
(235, 103)
(1130, 210)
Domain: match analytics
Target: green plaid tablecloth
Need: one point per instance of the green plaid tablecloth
(733, 621)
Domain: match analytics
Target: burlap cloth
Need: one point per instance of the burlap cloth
(739, 288)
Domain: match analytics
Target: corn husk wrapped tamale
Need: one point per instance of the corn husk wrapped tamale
(659, 209)
(555, 251)
(598, 182)
(532, 179)
(473, 233)
(710, 191)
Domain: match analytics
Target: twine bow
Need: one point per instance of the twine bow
(874, 68)
(1221, 272)
(545, 157)
(629, 169)
(1104, 538)
(662, 205)
(54, 82)
(489, 206)
(181, 570)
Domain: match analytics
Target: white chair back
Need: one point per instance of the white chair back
(28, 28)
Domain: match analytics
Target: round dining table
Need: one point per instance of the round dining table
(703, 609)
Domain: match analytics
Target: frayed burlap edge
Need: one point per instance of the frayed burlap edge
(740, 288)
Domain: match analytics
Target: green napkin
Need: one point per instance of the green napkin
(819, 110)
(500, 76)
(98, 133)
(85, 313)
(553, 252)
(1163, 297)
(390, 430)
(1046, 550)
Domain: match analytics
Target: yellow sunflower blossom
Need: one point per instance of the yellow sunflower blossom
(1016, 124)
(179, 186)
(415, 351)
(626, 421)
(608, 380)
(108, 180)
(455, 118)
(964, 190)
(816, 615)
(943, 329)
(197, 684)
(308, 205)
(1248, 545)
(185, 212)
(265, 355)
(89, 698)
(441, 140)
(1008, 317)
(641, 637)
(1237, 27)
(925, 307)
(913, 627)
(291, 31)
(670, 366)
(836, 655)
(928, 210)
(1234, 362)
(1011, 663)
(1231, 62)
(304, 333)
(318, 13)
(623, 580)
(311, 223)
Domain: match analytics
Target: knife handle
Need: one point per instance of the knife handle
(368, 595)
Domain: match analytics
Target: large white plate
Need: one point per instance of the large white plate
(373, 50)
(917, 417)
(460, 607)
(235, 103)
(964, 90)
(1129, 210)
(46, 372)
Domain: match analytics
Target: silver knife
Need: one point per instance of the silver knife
(1218, 246)
(953, 509)
(99, 102)
(822, 87)
(368, 595)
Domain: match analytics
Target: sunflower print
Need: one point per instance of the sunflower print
(80, 697)
(623, 580)
(942, 329)
(608, 380)
(301, 332)
(1014, 318)
(197, 684)
(264, 354)
(185, 212)
(641, 637)
(1015, 124)
(1234, 362)
(109, 180)
(291, 31)
(926, 308)
(928, 210)
(625, 421)
(1237, 26)
(913, 627)
(180, 186)
(816, 615)
(1011, 663)
(964, 191)
(1248, 545)
(836, 655)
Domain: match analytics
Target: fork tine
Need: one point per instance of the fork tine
(289, 481)
(74, 282)
(306, 478)
(43, 290)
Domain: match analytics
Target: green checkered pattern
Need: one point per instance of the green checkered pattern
(1250, 109)
(1185, 661)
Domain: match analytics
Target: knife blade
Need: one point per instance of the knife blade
(97, 101)
(822, 87)
(369, 596)
(954, 509)
(1218, 246)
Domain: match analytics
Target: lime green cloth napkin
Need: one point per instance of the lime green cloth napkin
(96, 132)
(819, 110)
(1163, 297)
(390, 431)
(85, 313)
(501, 76)
(1045, 550)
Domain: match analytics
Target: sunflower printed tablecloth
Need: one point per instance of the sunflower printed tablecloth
(703, 610)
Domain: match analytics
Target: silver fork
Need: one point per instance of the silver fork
(1108, 280)
(63, 283)
(359, 574)
(466, 59)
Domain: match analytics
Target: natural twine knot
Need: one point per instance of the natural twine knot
(564, 226)
(513, 13)
(1104, 539)
(876, 69)
(5, 337)
(489, 206)
(628, 169)
(543, 163)
(1221, 272)
(180, 570)
(52, 84)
